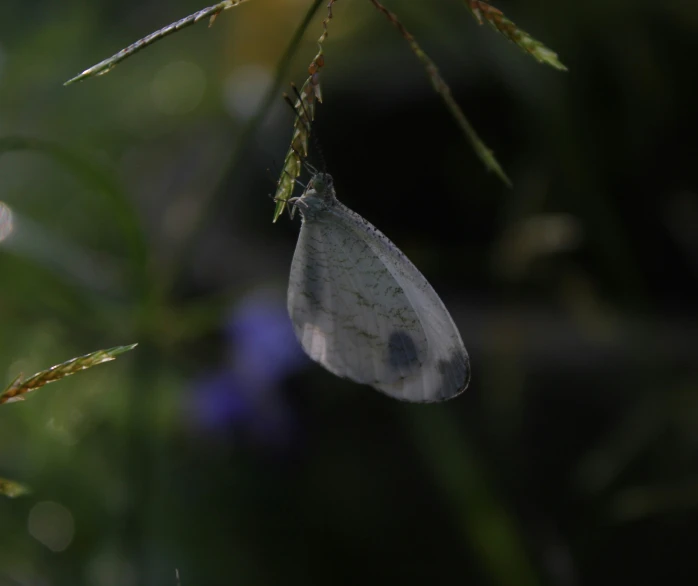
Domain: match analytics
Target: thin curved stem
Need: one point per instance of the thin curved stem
(207, 202)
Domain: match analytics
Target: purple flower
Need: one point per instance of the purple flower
(218, 402)
(247, 394)
(264, 346)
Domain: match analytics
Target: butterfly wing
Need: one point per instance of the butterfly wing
(364, 311)
(346, 308)
(446, 371)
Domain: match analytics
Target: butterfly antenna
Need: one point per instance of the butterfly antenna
(300, 111)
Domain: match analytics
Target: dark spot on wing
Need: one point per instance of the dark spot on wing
(455, 376)
(402, 351)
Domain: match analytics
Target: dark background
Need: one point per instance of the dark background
(142, 213)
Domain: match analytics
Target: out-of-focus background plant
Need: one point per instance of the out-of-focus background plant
(140, 210)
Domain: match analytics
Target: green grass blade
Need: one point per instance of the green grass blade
(310, 93)
(108, 64)
(18, 388)
(484, 11)
(486, 155)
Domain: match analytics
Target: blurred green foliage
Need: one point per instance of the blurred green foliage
(140, 212)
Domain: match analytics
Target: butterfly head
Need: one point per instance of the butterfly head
(323, 185)
(318, 196)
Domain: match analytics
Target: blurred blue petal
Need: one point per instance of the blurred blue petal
(218, 402)
(265, 348)
(247, 394)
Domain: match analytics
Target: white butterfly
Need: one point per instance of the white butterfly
(362, 310)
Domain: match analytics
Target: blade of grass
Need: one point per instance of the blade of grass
(486, 525)
(442, 88)
(305, 109)
(634, 504)
(205, 201)
(108, 64)
(496, 19)
(19, 387)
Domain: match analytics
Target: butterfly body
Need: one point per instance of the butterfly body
(362, 310)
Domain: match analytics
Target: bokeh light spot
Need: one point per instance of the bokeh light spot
(109, 569)
(244, 90)
(6, 223)
(52, 525)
